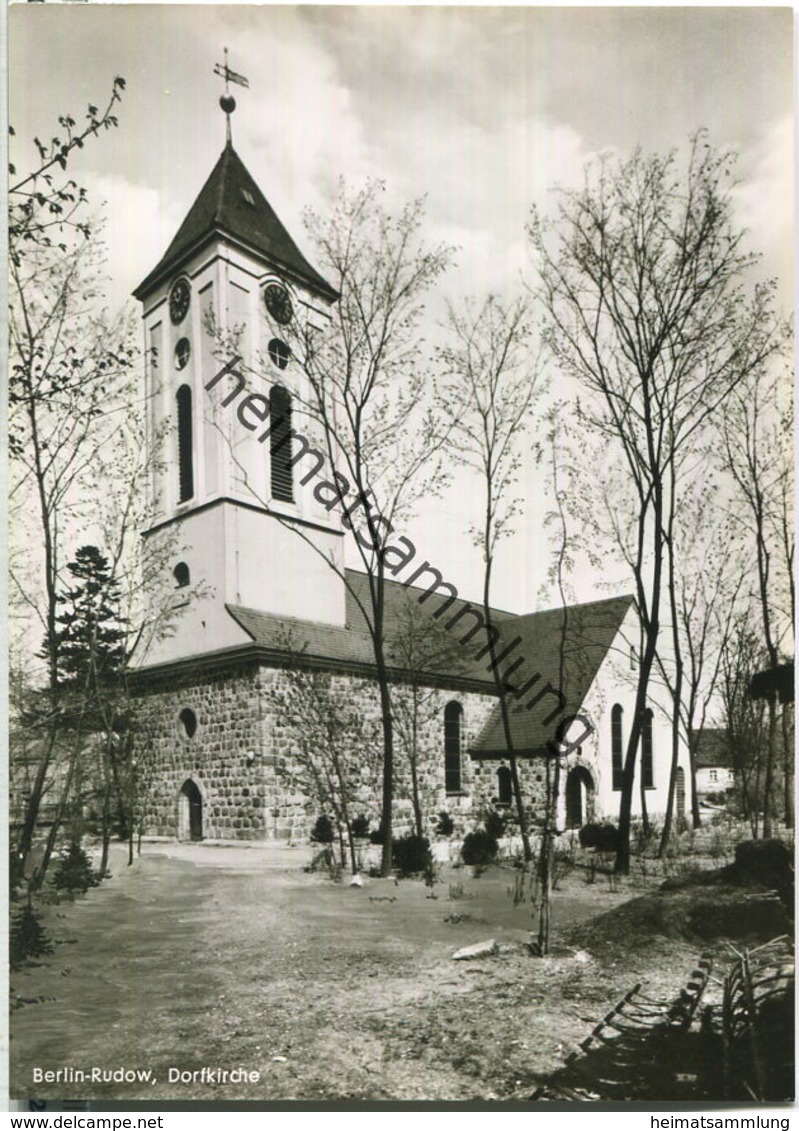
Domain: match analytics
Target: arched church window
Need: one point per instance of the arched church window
(185, 444)
(188, 721)
(453, 716)
(280, 444)
(647, 763)
(504, 786)
(181, 575)
(617, 765)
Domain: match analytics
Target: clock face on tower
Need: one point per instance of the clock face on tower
(278, 303)
(179, 301)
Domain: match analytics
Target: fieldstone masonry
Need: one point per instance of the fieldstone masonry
(241, 758)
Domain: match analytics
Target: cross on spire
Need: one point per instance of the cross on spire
(227, 101)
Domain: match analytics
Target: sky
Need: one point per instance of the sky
(481, 110)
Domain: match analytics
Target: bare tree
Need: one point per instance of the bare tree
(757, 431)
(335, 745)
(643, 280)
(422, 650)
(487, 393)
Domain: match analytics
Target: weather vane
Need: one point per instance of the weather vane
(227, 101)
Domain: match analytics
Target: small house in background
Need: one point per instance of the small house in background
(714, 769)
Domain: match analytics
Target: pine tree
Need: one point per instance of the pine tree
(90, 644)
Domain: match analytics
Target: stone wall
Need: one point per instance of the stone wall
(245, 755)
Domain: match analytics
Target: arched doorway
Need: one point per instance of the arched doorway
(579, 797)
(190, 812)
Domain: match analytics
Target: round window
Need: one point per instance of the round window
(182, 353)
(279, 353)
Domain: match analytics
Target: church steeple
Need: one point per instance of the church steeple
(230, 204)
(234, 499)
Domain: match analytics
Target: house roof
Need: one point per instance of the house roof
(564, 648)
(231, 204)
(711, 747)
(533, 643)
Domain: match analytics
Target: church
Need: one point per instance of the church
(255, 536)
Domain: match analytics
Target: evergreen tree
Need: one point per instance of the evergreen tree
(90, 642)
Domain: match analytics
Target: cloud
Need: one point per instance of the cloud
(764, 201)
(139, 225)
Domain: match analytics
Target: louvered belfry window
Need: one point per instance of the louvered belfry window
(280, 444)
(185, 444)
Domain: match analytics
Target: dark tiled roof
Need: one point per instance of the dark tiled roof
(589, 632)
(564, 647)
(403, 615)
(231, 203)
(711, 748)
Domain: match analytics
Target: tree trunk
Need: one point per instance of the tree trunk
(25, 842)
(41, 871)
(771, 757)
(787, 766)
(503, 708)
(416, 800)
(675, 759)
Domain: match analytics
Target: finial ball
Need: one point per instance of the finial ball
(228, 103)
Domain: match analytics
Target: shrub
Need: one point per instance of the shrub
(74, 870)
(323, 832)
(604, 838)
(27, 938)
(479, 848)
(446, 825)
(411, 854)
(360, 826)
(495, 824)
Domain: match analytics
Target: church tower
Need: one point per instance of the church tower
(244, 526)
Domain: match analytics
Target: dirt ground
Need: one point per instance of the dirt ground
(235, 958)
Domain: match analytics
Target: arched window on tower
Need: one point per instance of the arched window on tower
(280, 444)
(647, 764)
(185, 445)
(617, 763)
(453, 717)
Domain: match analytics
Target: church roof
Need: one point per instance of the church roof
(563, 647)
(581, 634)
(446, 661)
(231, 204)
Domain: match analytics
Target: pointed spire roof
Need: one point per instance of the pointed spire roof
(231, 204)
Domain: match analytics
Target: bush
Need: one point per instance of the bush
(27, 938)
(495, 824)
(323, 831)
(446, 825)
(604, 838)
(74, 870)
(360, 826)
(411, 854)
(479, 848)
